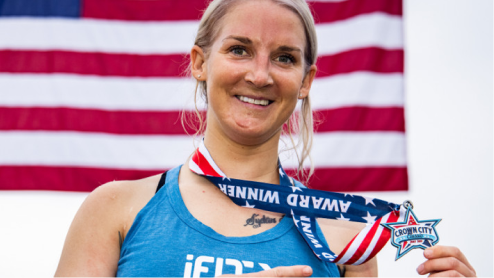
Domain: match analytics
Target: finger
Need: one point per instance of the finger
(449, 273)
(296, 271)
(440, 251)
(444, 265)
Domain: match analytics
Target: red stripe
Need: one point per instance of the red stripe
(325, 12)
(204, 165)
(345, 250)
(144, 10)
(92, 63)
(364, 244)
(173, 65)
(87, 178)
(92, 120)
(385, 235)
(64, 178)
(370, 59)
(169, 123)
(348, 179)
(361, 119)
(192, 9)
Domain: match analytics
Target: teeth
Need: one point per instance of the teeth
(262, 102)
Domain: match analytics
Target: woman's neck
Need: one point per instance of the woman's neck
(255, 163)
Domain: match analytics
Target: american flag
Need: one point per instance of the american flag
(91, 91)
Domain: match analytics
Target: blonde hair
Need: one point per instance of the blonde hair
(299, 123)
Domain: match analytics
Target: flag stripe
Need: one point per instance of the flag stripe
(360, 250)
(326, 11)
(133, 65)
(361, 119)
(169, 122)
(117, 93)
(192, 10)
(206, 168)
(66, 178)
(385, 235)
(346, 149)
(370, 30)
(77, 178)
(362, 179)
(133, 37)
(365, 59)
(93, 63)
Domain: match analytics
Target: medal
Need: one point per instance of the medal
(412, 233)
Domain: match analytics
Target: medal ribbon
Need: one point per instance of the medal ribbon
(304, 205)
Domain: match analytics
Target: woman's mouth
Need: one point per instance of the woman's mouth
(262, 102)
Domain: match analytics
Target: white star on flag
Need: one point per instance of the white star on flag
(226, 178)
(348, 194)
(369, 218)
(343, 218)
(369, 200)
(247, 205)
(295, 188)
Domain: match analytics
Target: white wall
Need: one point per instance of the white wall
(449, 129)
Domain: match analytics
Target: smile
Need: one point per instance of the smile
(262, 102)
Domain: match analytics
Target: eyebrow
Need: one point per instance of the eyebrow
(240, 39)
(245, 40)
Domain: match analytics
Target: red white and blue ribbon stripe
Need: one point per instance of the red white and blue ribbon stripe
(305, 205)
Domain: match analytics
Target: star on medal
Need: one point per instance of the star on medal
(412, 233)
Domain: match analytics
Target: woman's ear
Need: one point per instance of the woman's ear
(307, 82)
(198, 63)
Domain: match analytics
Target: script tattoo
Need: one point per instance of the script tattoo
(257, 222)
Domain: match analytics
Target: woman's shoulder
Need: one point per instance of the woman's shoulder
(92, 244)
(124, 199)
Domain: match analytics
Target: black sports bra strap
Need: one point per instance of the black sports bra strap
(162, 182)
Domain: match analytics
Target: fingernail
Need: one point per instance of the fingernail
(307, 270)
(420, 269)
(427, 253)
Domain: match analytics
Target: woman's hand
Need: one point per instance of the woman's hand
(445, 261)
(281, 271)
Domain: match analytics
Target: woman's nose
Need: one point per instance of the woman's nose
(259, 72)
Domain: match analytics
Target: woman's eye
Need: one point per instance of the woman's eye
(238, 51)
(286, 59)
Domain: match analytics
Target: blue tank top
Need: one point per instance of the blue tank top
(166, 240)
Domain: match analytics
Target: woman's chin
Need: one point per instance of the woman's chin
(250, 136)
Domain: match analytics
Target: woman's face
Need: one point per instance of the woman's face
(255, 72)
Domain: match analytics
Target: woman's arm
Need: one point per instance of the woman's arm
(92, 246)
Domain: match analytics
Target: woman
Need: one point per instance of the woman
(253, 60)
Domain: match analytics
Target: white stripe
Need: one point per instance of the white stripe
(193, 166)
(355, 245)
(209, 158)
(90, 92)
(374, 241)
(358, 89)
(158, 152)
(353, 149)
(375, 29)
(114, 93)
(88, 35)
